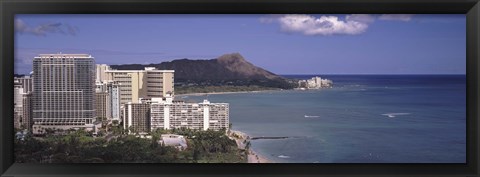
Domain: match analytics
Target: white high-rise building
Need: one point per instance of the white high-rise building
(113, 90)
(168, 114)
(64, 91)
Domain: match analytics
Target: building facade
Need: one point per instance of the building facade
(23, 102)
(136, 84)
(27, 121)
(64, 91)
(102, 105)
(113, 90)
(101, 74)
(108, 96)
(137, 117)
(168, 114)
(26, 83)
(17, 105)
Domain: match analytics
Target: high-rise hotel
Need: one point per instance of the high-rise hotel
(63, 92)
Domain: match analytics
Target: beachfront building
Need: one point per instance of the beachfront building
(136, 84)
(63, 92)
(315, 83)
(169, 114)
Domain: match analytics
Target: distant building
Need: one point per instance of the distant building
(26, 83)
(27, 121)
(108, 100)
(315, 83)
(136, 84)
(102, 105)
(17, 105)
(113, 90)
(177, 141)
(101, 75)
(168, 114)
(64, 91)
(23, 102)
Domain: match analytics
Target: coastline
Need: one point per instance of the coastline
(243, 140)
(218, 93)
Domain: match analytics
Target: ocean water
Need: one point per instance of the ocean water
(362, 119)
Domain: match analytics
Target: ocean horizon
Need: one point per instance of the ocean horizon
(362, 119)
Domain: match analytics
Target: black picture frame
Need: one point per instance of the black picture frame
(9, 8)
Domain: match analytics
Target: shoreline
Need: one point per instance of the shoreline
(242, 139)
(218, 93)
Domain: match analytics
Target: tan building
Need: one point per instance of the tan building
(102, 105)
(101, 74)
(27, 121)
(136, 84)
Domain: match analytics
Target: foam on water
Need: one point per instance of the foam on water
(391, 115)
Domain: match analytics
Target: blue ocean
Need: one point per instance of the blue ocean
(362, 119)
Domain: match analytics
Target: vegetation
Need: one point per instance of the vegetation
(80, 147)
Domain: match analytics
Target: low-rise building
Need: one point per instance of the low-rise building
(177, 141)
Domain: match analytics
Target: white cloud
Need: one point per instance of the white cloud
(396, 17)
(41, 30)
(324, 25)
(329, 25)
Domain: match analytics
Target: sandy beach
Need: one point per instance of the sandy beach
(242, 140)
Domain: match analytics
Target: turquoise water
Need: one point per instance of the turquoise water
(362, 119)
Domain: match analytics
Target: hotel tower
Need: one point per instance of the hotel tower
(64, 91)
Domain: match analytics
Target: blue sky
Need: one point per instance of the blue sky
(283, 44)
